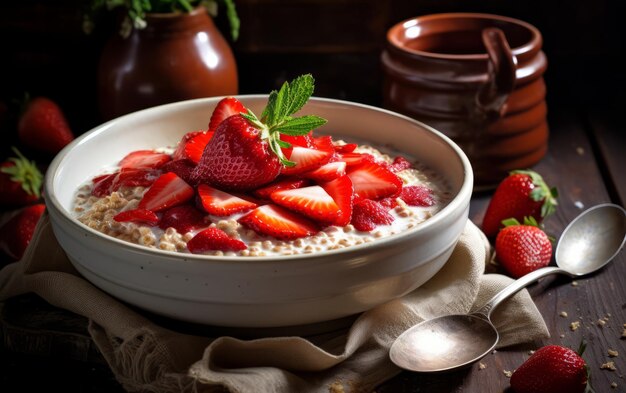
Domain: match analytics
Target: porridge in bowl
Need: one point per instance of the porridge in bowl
(250, 187)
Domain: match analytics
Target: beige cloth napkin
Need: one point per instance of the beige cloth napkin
(147, 357)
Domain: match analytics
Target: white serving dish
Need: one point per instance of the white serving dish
(257, 291)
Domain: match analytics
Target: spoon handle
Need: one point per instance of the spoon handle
(514, 287)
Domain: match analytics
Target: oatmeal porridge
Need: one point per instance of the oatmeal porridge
(260, 187)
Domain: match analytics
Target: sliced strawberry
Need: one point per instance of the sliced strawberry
(225, 108)
(345, 148)
(183, 218)
(306, 159)
(278, 222)
(220, 203)
(286, 183)
(327, 172)
(103, 185)
(140, 216)
(128, 177)
(389, 202)
(192, 145)
(214, 239)
(324, 142)
(313, 202)
(417, 196)
(399, 164)
(144, 159)
(352, 159)
(182, 168)
(342, 192)
(369, 214)
(297, 140)
(167, 191)
(373, 181)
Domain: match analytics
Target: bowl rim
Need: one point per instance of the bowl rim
(459, 199)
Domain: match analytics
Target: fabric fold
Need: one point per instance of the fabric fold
(147, 357)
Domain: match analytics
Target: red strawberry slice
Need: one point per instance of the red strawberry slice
(373, 181)
(167, 191)
(220, 203)
(298, 140)
(368, 214)
(103, 185)
(327, 172)
(192, 145)
(313, 202)
(183, 218)
(306, 159)
(342, 192)
(214, 239)
(182, 168)
(278, 222)
(144, 159)
(140, 216)
(353, 159)
(282, 184)
(128, 177)
(324, 143)
(345, 148)
(225, 108)
(389, 203)
(417, 196)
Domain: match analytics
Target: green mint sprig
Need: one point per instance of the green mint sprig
(276, 117)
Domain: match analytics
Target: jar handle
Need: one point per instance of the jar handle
(492, 96)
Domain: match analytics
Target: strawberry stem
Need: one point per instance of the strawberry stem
(541, 192)
(24, 172)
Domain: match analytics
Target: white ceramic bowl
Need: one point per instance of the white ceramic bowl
(257, 291)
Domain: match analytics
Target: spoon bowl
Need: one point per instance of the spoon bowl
(450, 342)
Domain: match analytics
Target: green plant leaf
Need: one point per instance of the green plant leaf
(300, 125)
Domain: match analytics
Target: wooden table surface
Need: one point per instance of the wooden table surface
(46, 348)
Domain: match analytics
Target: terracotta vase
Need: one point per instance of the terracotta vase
(177, 56)
(477, 78)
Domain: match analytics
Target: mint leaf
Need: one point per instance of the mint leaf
(300, 90)
(300, 125)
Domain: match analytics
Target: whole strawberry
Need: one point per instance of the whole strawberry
(43, 127)
(521, 249)
(20, 181)
(245, 152)
(521, 194)
(16, 233)
(551, 369)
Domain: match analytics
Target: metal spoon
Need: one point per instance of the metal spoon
(449, 342)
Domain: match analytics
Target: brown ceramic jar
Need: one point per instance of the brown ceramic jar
(177, 56)
(477, 78)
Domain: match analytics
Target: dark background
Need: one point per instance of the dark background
(45, 52)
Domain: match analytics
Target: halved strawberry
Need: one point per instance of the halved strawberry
(417, 196)
(369, 214)
(306, 159)
(324, 142)
(137, 216)
(183, 218)
(278, 222)
(225, 108)
(103, 185)
(167, 191)
(327, 172)
(373, 181)
(192, 145)
(130, 177)
(342, 192)
(220, 203)
(313, 202)
(286, 183)
(144, 159)
(214, 239)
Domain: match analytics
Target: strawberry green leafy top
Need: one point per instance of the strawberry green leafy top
(276, 117)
